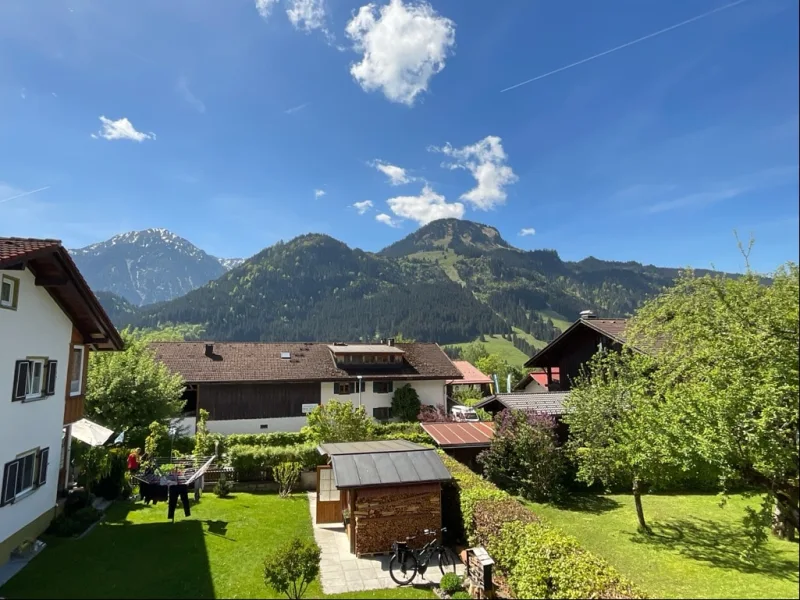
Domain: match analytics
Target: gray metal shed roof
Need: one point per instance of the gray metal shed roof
(332, 449)
(551, 403)
(388, 468)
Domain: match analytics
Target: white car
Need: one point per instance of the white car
(464, 413)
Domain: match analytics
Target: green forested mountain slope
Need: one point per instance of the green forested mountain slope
(450, 281)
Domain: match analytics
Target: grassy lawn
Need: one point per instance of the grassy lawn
(694, 550)
(135, 552)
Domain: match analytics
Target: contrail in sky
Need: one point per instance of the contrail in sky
(23, 194)
(636, 41)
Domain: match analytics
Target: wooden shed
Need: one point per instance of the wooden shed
(388, 490)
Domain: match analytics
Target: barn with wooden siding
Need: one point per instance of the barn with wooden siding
(389, 490)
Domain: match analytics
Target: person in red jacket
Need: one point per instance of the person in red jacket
(133, 460)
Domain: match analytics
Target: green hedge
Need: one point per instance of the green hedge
(254, 461)
(275, 439)
(536, 560)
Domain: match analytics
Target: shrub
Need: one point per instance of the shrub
(113, 484)
(75, 501)
(75, 524)
(291, 568)
(434, 414)
(252, 461)
(467, 395)
(287, 475)
(450, 583)
(405, 403)
(524, 457)
(381, 430)
(461, 595)
(338, 422)
(536, 560)
(542, 562)
(223, 487)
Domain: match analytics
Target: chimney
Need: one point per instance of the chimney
(210, 350)
(587, 314)
(390, 341)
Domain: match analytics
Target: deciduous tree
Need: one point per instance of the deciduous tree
(128, 390)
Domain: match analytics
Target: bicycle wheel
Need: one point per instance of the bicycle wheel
(403, 571)
(447, 561)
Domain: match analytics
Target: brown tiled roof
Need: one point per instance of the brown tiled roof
(56, 272)
(613, 328)
(14, 249)
(309, 361)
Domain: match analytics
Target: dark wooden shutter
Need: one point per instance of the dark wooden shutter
(9, 482)
(41, 466)
(335, 388)
(390, 387)
(21, 369)
(363, 386)
(52, 375)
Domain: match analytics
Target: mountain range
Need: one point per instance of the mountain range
(450, 281)
(149, 266)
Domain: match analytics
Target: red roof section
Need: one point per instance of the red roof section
(541, 378)
(449, 435)
(14, 249)
(472, 375)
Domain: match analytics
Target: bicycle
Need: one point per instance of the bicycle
(407, 562)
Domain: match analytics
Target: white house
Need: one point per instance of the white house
(264, 387)
(49, 321)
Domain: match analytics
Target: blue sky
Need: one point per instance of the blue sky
(239, 123)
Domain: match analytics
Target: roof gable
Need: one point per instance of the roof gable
(55, 271)
(614, 329)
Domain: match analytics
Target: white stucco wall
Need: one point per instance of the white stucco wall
(430, 392)
(37, 328)
(254, 425)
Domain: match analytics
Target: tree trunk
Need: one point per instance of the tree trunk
(785, 516)
(637, 498)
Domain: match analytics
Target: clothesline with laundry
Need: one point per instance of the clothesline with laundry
(167, 479)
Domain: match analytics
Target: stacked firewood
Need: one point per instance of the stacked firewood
(383, 520)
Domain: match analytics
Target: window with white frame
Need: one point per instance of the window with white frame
(8, 292)
(34, 378)
(76, 371)
(35, 387)
(24, 474)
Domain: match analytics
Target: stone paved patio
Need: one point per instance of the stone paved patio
(341, 571)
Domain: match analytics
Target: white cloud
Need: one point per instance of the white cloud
(183, 89)
(264, 7)
(387, 220)
(319, 193)
(397, 175)
(426, 207)
(363, 206)
(527, 231)
(121, 129)
(307, 15)
(23, 93)
(403, 46)
(486, 160)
